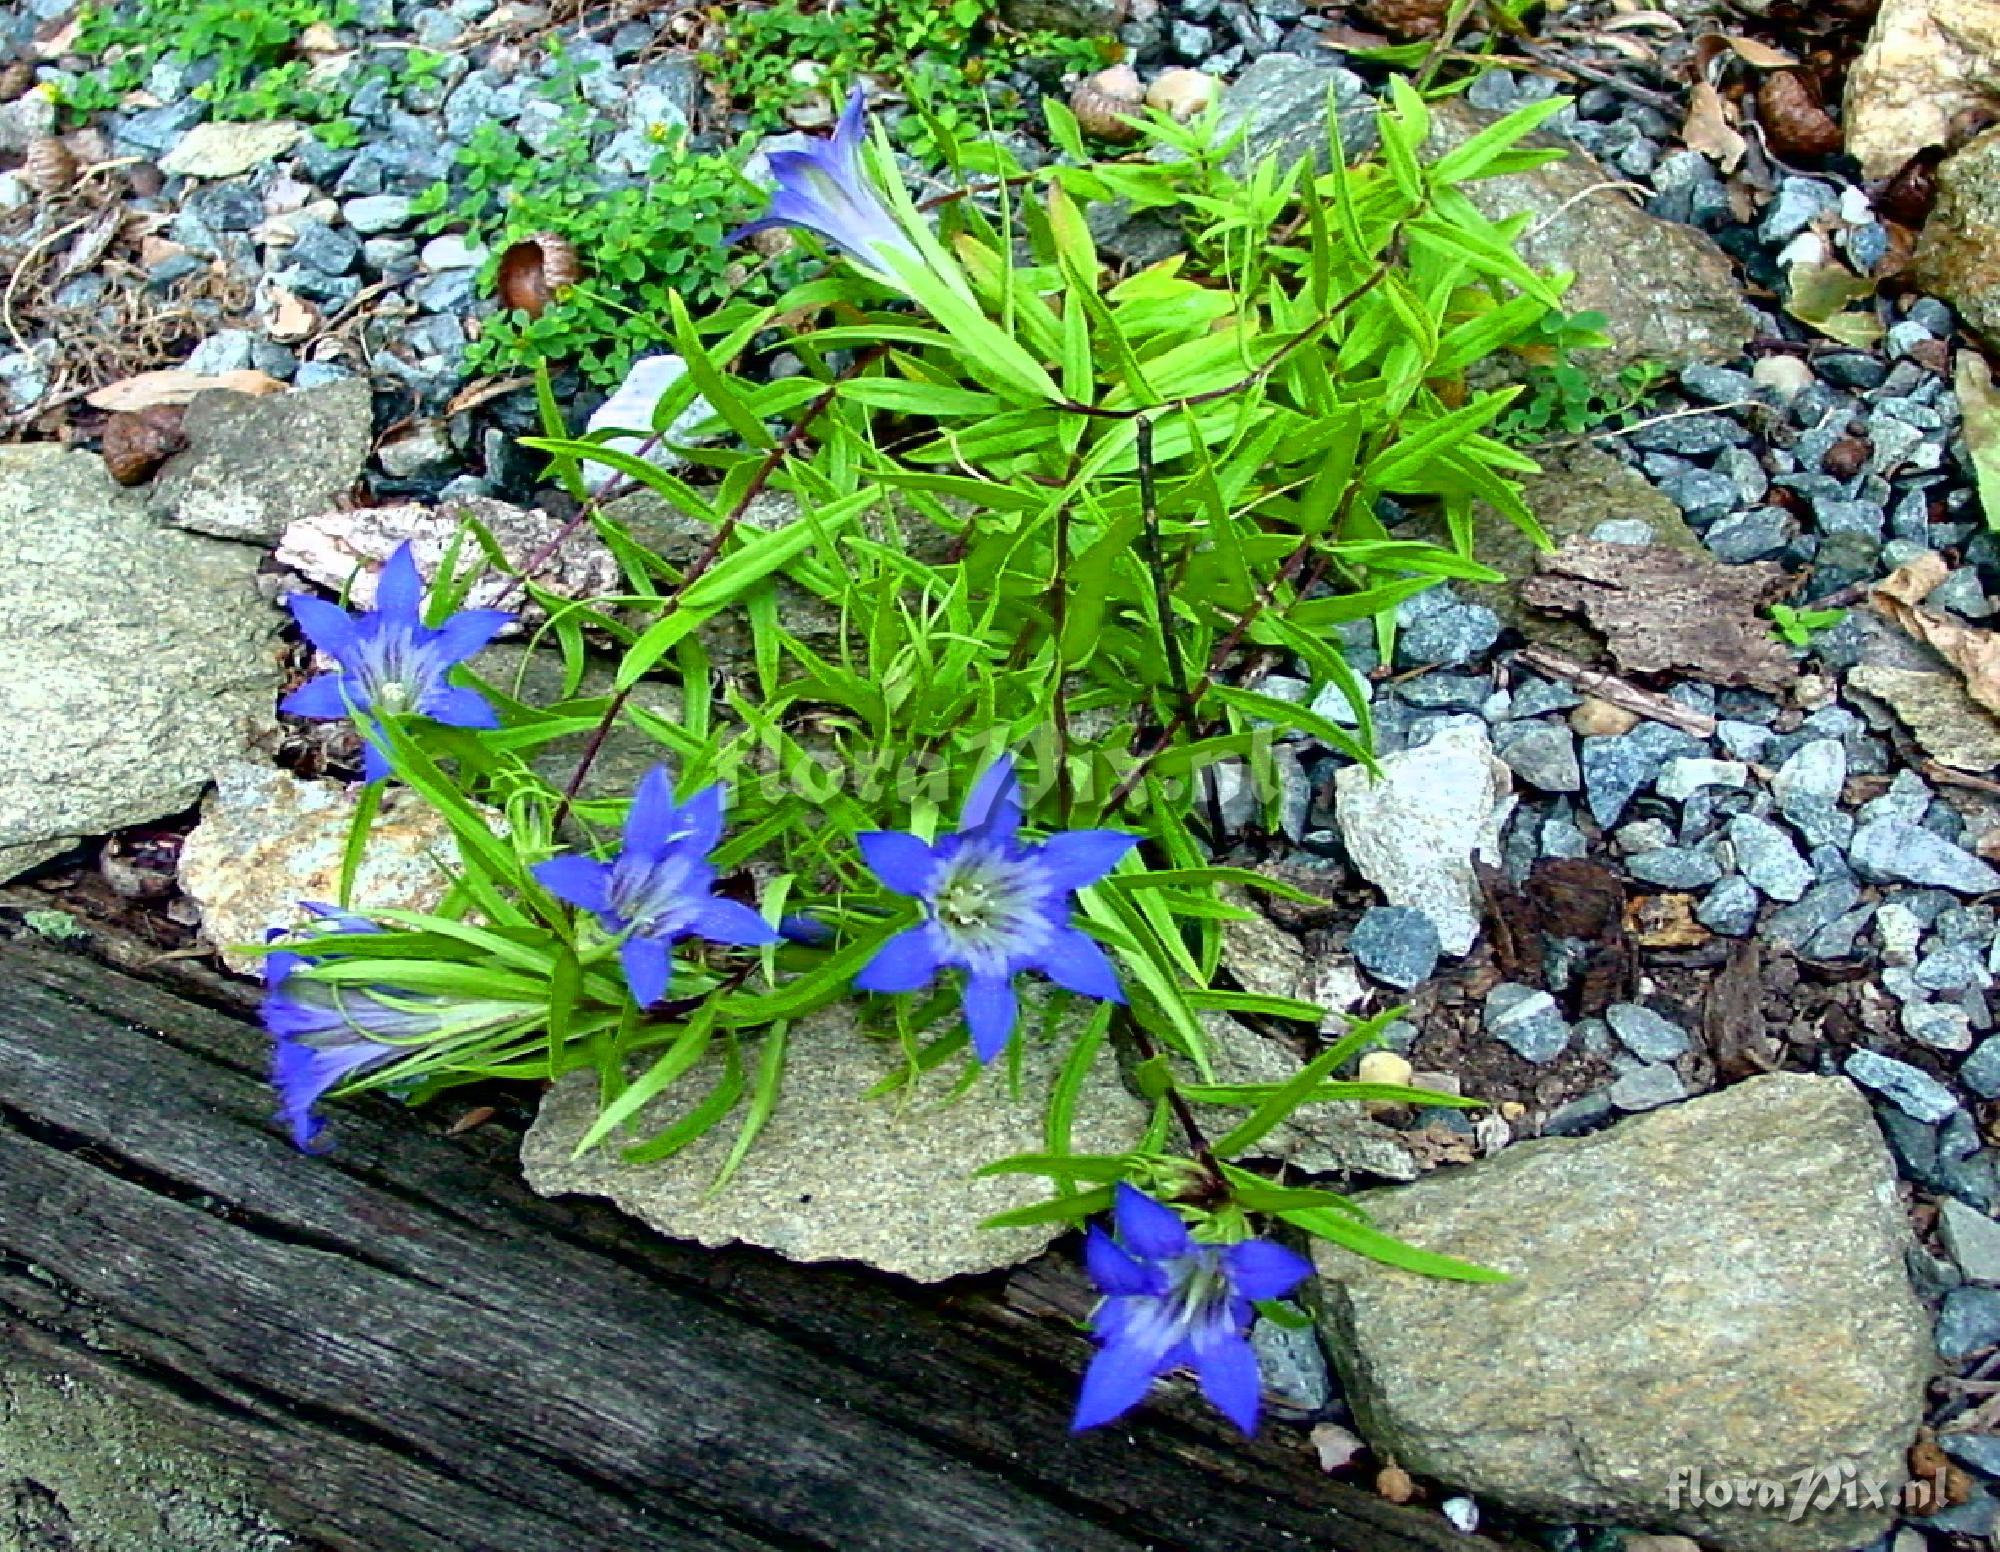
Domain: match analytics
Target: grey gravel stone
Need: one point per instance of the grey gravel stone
(1527, 1021)
(1973, 1240)
(1766, 856)
(1730, 908)
(373, 214)
(1616, 769)
(1819, 907)
(1543, 754)
(1968, 1322)
(1647, 1087)
(1757, 1230)
(1645, 1033)
(1896, 851)
(1910, 1089)
(1980, 1071)
(1292, 1365)
(1396, 945)
(1675, 867)
(1938, 1025)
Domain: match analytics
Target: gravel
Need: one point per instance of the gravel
(1910, 1089)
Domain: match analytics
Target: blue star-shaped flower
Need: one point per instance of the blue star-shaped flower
(323, 1033)
(660, 887)
(993, 907)
(1172, 1303)
(826, 189)
(391, 663)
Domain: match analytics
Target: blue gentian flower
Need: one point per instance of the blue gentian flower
(993, 907)
(323, 1033)
(391, 663)
(1173, 1303)
(827, 190)
(660, 887)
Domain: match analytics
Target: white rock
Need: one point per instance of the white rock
(1683, 777)
(217, 150)
(452, 251)
(1414, 833)
(631, 409)
(268, 842)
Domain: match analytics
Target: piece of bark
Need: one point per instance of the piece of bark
(1732, 1016)
(1662, 610)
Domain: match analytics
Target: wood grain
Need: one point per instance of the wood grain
(404, 1351)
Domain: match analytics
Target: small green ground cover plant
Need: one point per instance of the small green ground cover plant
(645, 240)
(948, 665)
(245, 44)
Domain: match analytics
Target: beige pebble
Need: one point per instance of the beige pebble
(1787, 377)
(1182, 93)
(1384, 1067)
(1600, 719)
(1437, 1082)
(1662, 1543)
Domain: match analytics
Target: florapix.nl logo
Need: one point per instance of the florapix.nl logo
(1813, 1490)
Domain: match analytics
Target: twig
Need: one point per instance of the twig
(1558, 60)
(28, 259)
(1609, 687)
(1952, 778)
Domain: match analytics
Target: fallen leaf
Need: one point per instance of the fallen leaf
(1980, 406)
(1663, 609)
(1973, 651)
(176, 385)
(1708, 129)
(1820, 294)
(1953, 729)
(92, 242)
(1912, 582)
(1732, 1016)
(291, 320)
(1761, 55)
(1664, 921)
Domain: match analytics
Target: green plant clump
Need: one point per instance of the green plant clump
(953, 54)
(1016, 508)
(642, 242)
(247, 43)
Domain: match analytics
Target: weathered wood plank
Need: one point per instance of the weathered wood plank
(397, 1347)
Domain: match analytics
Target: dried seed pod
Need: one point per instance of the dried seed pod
(1182, 93)
(1796, 125)
(1103, 104)
(1407, 18)
(1394, 1483)
(1912, 189)
(536, 270)
(50, 167)
(17, 76)
(137, 442)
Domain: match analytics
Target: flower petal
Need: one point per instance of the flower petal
(906, 962)
(651, 817)
(323, 697)
(1075, 962)
(399, 591)
(1079, 857)
(697, 823)
(466, 632)
(374, 761)
(1226, 1365)
(900, 860)
(994, 804)
(1262, 1270)
(329, 628)
(727, 921)
(1114, 1271)
(991, 1012)
(456, 706)
(302, 1073)
(1151, 1230)
(1117, 1380)
(578, 880)
(648, 968)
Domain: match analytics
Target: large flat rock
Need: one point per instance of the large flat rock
(133, 660)
(1717, 1286)
(835, 1176)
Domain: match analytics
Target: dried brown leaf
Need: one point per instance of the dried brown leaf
(1709, 128)
(291, 319)
(1912, 582)
(1972, 650)
(92, 243)
(1663, 609)
(1761, 55)
(176, 385)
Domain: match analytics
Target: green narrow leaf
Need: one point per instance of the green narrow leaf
(763, 1100)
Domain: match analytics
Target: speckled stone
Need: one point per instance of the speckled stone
(1686, 1288)
(835, 1176)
